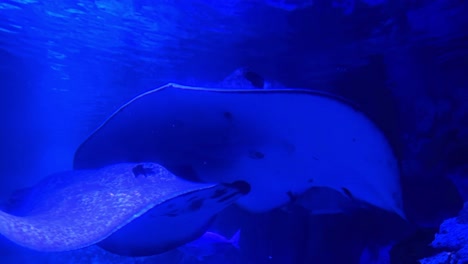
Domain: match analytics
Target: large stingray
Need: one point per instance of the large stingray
(129, 209)
(280, 141)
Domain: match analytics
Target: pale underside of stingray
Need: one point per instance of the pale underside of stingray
(153, 210)
(281, 142)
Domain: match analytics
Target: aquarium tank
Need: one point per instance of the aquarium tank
(234, 131)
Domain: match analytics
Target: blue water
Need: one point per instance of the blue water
(65, 66)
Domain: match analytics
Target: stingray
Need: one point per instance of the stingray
(281, 142)
(128, 209)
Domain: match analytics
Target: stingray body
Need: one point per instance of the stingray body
(280, 141)
(125, 212)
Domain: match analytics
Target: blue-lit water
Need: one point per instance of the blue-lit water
(66, 66)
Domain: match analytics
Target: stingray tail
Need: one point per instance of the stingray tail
(235, 239)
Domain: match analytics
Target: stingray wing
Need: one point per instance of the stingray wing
(85, 207)
(280, 141)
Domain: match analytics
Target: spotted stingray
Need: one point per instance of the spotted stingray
(129, 209)
(282, 142)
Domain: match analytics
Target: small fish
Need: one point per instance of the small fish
(210, 244)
